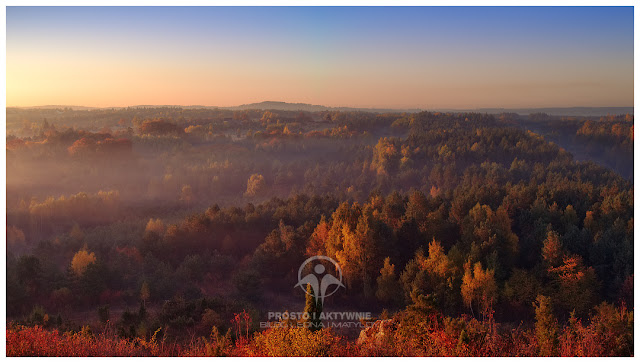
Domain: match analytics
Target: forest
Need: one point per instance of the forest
(168, 231)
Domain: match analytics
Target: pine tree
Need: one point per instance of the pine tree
(310, 305)
(546, 327)
(312, 309)
(142, 312)
(144, 292)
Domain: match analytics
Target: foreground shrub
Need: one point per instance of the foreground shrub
(409, 333)
(36, 342)
(420, 333)
(288, 341)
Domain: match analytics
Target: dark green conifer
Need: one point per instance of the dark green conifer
(546, 327)
(313, 309)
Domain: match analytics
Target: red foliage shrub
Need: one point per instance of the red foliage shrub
(409, 333)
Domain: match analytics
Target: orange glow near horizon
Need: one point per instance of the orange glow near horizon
(212, 58)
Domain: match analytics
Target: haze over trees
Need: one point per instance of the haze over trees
(463, 233)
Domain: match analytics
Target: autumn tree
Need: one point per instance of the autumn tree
(343, 221)
(388, 287)
(318, 239)
(490, 238)
(255, 185)
(417, 207)
(155, 225)
(386, 157)
(280, 249)
(268, 117)
(429, 280)
(575, 285)
(552, 252)
(81, 260)
(393, 210)
(361, 248)
(159, 127)
(478, 286)
(349, 256)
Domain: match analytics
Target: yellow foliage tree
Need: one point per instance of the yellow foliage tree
(438, 263)
(428, 281)
(255, 185)
(388, 287)
(155, 225)
(344, 256)
(81, 260)
(358, 253)
(478, 286)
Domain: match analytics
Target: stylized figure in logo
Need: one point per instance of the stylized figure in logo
(320, 286)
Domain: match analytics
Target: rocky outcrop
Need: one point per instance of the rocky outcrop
(377, 334)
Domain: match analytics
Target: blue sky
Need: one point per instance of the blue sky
(339, 56)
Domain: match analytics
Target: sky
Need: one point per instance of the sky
(385, 57)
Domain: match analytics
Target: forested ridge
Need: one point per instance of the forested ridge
(169, 231)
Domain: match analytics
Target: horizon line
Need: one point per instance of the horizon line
(317, 105)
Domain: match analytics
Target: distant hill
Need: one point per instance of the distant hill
(562, 111)
(554, 111)
(168, 106)
(286, 106)
(55, 107)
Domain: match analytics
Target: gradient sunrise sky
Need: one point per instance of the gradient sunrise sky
(423, 57)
